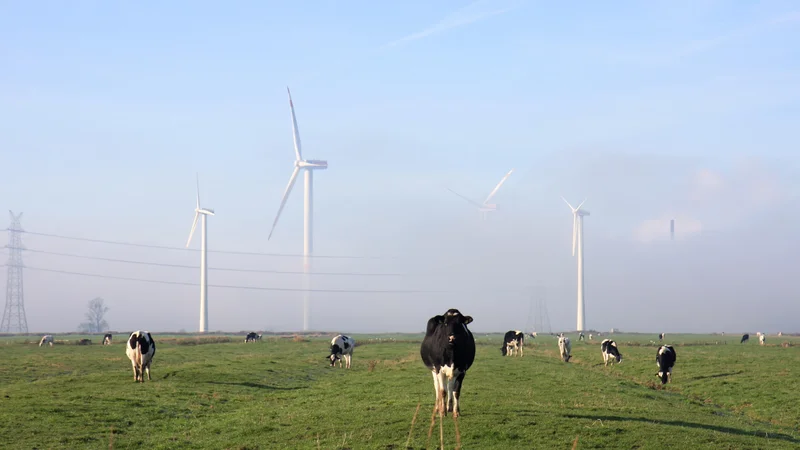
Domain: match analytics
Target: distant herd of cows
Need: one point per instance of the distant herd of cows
(447, 350)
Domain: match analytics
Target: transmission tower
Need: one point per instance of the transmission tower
(14, 320)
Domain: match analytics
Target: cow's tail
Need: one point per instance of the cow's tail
(139, 357)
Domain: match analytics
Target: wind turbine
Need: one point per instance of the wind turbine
(308, 166)
(204, 212)
(485, 207)
(577, 238)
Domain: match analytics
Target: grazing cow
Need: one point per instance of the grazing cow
(780, 333)
(448, 350)
(85, 342)
(252, 337)
(46, 339)
(661, 336)
(564, 347)
(591, 336)
(610, 351)
(342, 346)
(745, 338)
(581, 337)
(665, 360)
(762, 339)
(140, 350)
(513, 340)
(533, 335)
(107, 339)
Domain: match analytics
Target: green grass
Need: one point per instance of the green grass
(280, 394)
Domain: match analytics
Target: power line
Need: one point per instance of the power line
(230, 252)
(255, 288)
(225, 269)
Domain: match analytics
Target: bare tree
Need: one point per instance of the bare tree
(96, 322)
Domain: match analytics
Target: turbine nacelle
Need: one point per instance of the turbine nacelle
(311, 164)
(206, 211)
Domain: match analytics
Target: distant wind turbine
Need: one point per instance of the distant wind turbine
(485, 207)
(577, 238)
(204, 212)
(308, 165)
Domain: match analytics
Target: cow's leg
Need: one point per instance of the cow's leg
(147, 368)
(135, 373)
(436, 391)
(457, 394)
(442, 397)
(349, 359)
(520, 350)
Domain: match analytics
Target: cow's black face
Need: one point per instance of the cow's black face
(335, 352)
(455, 325)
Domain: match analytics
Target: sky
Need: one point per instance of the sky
(648, 110)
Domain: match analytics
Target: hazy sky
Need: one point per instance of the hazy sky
(684, 109)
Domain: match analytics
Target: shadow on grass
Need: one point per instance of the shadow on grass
(717, 375)
(259, 386)
(681, 423)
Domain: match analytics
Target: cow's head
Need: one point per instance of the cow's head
(454, 325)
(336, 353)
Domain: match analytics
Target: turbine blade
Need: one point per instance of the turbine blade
(295, 132)
(198, 190)
(283, 200)
(194, 225)
(473, 202)
(574, 231)
(570, 206)
(579, 206)
(496, 188)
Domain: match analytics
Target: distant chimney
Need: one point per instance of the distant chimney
(672, 229)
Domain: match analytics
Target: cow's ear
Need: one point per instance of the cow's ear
(467, 320)
(438, 319)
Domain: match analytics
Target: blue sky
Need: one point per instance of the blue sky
(652, 110)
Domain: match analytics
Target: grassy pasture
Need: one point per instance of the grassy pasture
(279, 393)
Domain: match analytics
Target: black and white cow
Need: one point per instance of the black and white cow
(140, 350)
(665, 360)
(581, 337)
(661, 336)
(564, 348)
(46, 339)
(252, 337)
(512, 341)
(745, 338)
(342, 346)
(762, 339)
(107, 339)
(448, 350)
(610, 351)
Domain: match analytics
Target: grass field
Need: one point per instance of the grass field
(280, 393)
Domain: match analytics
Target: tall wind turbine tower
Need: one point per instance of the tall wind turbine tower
(204, 213)
(577, 239)
(672, 229)
(308, 166)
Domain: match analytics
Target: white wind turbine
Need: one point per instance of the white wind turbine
(307, 165)
(577, 237)
(204, 212)
(485, 207)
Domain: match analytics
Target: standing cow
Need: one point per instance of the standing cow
(448, 350)
(140, 350)
(46, 339)
(564, 348)
(342, 346)
(762, 339)
(745, 338)
(252, 337)
(513, 340)
(107, 339)
(665, 359)
(610, 351)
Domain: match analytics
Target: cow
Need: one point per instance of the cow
(581, 337)
(564, 348)
(107, 339)
(342, 346)
(534, 334)
(665, 360)
(610, 351)
(762, 339)
(252, 337)
(591, 336)
(85, 342)
(448, 351)
(46, 339)
(661, 336)
(140, 350)
(745, 338)
(513, 340)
